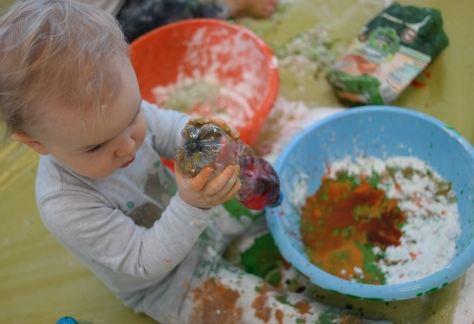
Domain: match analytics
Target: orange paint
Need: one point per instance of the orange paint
(216, 303)
(418, 84)
(340, 217)
(261, 309)
(303, 307)
(420, 81)
(413, 255)
(279, 316)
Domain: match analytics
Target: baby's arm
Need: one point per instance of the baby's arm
(165, 126)
(86, 224)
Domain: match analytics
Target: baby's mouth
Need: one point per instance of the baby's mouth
(126, 164)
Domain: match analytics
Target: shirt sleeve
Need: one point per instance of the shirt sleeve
(105, 235)
(165, 127)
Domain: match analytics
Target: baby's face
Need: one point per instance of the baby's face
(103, 141)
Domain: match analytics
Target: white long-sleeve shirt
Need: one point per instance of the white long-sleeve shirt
(97, 219)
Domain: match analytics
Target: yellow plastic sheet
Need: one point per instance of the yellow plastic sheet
(41, 282)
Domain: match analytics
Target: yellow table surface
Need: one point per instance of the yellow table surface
(40, 281)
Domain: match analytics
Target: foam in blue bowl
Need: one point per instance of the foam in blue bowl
(379, 131)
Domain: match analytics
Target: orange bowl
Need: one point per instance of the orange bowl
(211, 49)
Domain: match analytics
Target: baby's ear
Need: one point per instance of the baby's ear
(26, 139)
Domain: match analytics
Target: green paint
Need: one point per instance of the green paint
(345, 232)
(325, 196)
(408, 172)
(374, 179)
(263, 259)
(375, 299)
(237, 210)
(365, 213)
(310, 227)
(345, 176)
(353, 296)
(370, 264)
(339, 256)
(273, 277)
(328, 317)
(130, 205)
(443, 188)
(283, 299)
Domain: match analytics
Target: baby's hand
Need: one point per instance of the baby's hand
(205, 191)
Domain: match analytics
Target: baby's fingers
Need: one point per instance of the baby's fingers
(217, 184)
(229, 186)
(198, 183)
(234, 190)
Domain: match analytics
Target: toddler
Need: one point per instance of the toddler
(69, 92)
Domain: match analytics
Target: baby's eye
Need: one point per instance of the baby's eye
(93, 149)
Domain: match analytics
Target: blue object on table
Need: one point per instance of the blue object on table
(379, 131)
(67, 320)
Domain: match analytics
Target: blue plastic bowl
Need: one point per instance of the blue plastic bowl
(379, 131)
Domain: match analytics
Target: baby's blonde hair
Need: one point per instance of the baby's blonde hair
(55, 51)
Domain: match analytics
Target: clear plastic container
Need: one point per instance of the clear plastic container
(206, 144)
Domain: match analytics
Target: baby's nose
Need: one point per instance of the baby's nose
(125, 147)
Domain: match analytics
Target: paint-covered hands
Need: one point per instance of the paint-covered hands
(207, 190)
